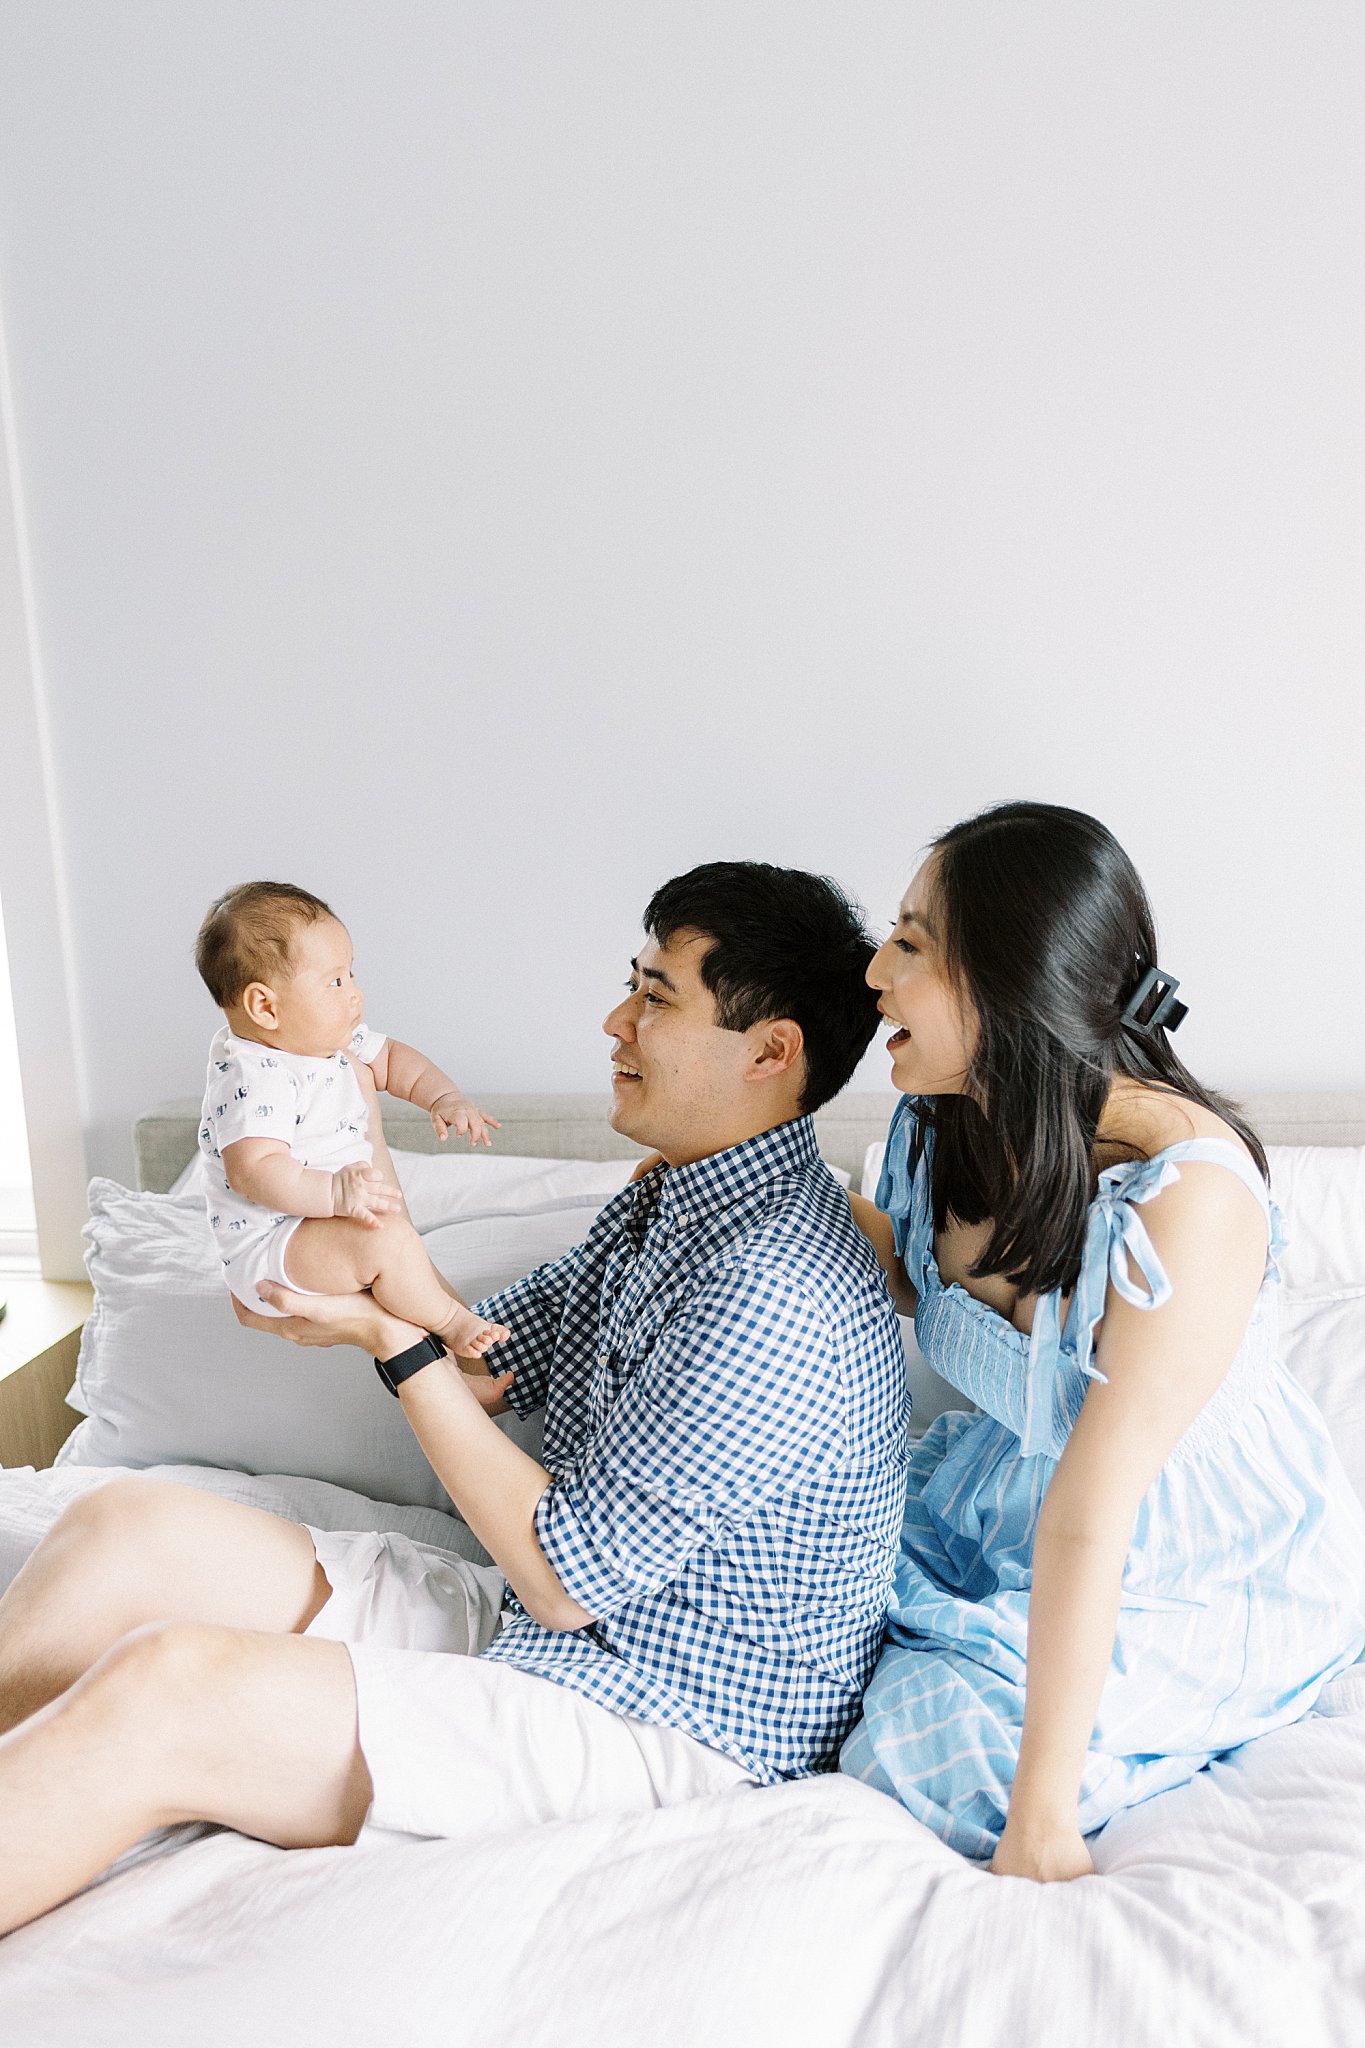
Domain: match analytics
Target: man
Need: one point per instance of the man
(687, 1596)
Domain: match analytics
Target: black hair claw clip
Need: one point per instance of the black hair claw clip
(1152, 1006)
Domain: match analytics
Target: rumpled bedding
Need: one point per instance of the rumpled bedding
(1230, 1911)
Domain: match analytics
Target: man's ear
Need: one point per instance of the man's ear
(778, 1047)
(259, 1003)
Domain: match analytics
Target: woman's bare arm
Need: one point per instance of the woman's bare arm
(1162, 1366)
(876, 1227)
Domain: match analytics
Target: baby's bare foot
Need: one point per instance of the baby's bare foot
(469, 1335)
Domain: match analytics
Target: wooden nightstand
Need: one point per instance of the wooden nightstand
(40, 1336)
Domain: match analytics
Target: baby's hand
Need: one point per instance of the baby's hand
(361, 1193)
(455, 1112)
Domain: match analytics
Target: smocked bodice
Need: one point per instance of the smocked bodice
(1034, 1383)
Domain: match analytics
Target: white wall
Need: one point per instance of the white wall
(479, 459)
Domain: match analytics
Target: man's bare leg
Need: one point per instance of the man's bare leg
(146, 1550)
(335, 1255)
(179, 1722)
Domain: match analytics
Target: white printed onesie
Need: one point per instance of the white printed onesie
(314, 1105)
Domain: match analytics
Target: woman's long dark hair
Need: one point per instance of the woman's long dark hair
(1048, 931)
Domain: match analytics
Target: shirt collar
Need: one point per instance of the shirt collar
(688, 1194)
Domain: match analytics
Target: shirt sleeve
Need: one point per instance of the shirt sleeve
(252, 1099)
(366, 1045)
(741, 1395)
(532, 1309)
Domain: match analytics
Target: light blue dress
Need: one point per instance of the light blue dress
(1244, 1589)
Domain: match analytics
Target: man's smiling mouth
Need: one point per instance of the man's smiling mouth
(621, 1070)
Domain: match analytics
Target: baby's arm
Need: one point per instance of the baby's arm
(264, 1171)
(403, 1071)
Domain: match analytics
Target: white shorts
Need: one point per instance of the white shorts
(264, 1260)
(457, 1746)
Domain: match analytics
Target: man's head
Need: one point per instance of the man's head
(278, 964)
(747, 1006)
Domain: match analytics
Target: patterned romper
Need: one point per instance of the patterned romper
(1244, 1588)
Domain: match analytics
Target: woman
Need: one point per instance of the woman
(1143, 1551)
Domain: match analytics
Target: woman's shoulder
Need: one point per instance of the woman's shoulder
(1141, 1122)
(1197, 1198)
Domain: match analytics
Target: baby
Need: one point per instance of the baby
(285, 1131)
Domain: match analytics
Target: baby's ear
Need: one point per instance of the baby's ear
(260, 1005)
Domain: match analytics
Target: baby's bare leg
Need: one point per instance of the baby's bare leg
(335, 1255)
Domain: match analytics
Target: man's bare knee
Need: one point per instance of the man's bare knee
(193, 1710)
(110, 1510)
(140, 1549)
(161, 1658)
(151, 1705)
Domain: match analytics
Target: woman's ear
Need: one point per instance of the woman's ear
(259, 1003)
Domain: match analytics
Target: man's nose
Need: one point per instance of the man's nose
(618, 1022)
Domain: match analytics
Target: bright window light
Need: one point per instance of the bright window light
(18, 1225)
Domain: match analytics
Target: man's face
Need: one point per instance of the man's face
(677, 1076)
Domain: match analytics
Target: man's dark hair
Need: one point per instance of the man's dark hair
(784, 943)
(248, 935)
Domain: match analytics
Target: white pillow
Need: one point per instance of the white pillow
(439, 1186)
(872, 1169)
(1320, 1189)
(1322, 1341)
(167, 1375)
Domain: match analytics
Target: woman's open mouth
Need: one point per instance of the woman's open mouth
(901, 1037)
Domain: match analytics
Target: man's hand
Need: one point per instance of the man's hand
(455, 1112)
(363, 1195)
(330, 1319)
(359, 1320)
(490, 1393)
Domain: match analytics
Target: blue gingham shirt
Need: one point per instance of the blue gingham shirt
(725, 1431)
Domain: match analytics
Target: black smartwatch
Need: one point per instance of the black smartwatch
(393, 1371)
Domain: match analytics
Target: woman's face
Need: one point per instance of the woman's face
(936, 1031)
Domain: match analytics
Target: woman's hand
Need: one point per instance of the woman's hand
(1046, 1858)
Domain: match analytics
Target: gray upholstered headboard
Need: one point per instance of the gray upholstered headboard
(576, 1127)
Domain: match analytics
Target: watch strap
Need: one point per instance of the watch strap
(393, 1371)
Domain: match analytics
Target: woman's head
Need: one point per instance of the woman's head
(1020, 944)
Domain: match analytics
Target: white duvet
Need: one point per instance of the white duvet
(1230, 1912)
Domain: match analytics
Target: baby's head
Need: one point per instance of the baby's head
(278, 965)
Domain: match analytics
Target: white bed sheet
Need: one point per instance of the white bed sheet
(1230, 1912)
